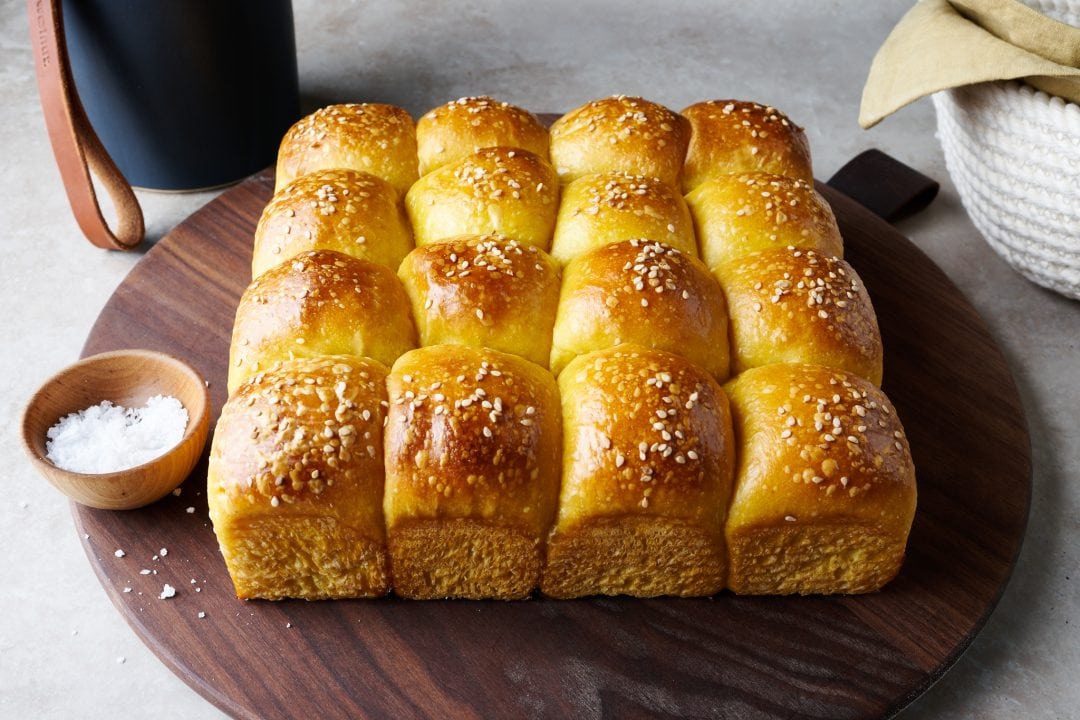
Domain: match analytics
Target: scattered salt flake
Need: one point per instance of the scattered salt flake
(144, 571)
(163, 552)
(190, 510)
(106, 437)
(127, 590)
(198, 589)
(167, 592)
(23, 504)
(177, 491)
(288, 625)
(74, 632)
(119, 553)
(121, 660)
(202, 615)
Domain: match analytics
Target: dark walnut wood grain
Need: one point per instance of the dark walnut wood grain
(729, 657)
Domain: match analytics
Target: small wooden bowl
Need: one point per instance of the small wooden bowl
(128, 378)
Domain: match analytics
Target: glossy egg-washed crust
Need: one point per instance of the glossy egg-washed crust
(503, 190)
(736, 215)
(352, 212)
(374, 138)
(484, 291)
(621, 478)
(461, 127)
(472, 472)
(320, 303)
(295, 481)
(646, 293)
(627, 134)
(799, 306)
(648, 458)
(611, 207)
(735, 136)
(825, 489)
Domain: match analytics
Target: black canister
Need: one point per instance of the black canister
(185, 94)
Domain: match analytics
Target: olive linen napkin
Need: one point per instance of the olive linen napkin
(941, 44)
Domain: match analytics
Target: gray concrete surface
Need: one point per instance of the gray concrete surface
(60, 638)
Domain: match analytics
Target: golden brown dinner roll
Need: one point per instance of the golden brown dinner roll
(798, 306)
(319, 303)
(825, 492)
(348, 211)
(501, 190)
(461, 127)
(484, 291)
(620, 133)
(472, 472)
(734, 136)
(379, 139)
(642, 292)
(295, 482)
(736, 215)
(648, 456)
(615, 206)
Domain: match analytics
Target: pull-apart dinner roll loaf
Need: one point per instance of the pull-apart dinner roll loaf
(798, 306)
(611, 207)
(472, 472)
(295, 482)
(348, 211)
(736, 215)
(501, 190)
(620, 133)
(319, 303)
(461, 127)
(734, 136)
(648, 457)
(645, 293)
(825, 491)
(484, 291)
(374, 138)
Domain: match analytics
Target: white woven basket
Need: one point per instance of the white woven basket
(1014, 154)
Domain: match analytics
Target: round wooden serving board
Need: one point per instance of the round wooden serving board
(727, 656)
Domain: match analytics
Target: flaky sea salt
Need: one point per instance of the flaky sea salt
(106, 438)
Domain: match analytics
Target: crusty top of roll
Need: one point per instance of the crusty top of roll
(503, 190)
(642, 292)
(614, 206)
(735, 136)
(486, 291)
(304, 436)
(320, 303)
(379, 139)
(620, 133)
(463, 126)
(792, 305)
(818, 442)
(652, 432)
(472, 433)
(736, 215)
(349, 211)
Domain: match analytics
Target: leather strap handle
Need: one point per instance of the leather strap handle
(884, 185)
(76, 146)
